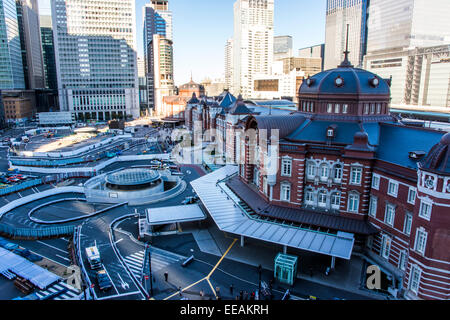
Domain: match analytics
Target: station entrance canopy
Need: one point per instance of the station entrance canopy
(223, 206)
(177, 214)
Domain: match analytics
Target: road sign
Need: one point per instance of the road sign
(92, 285)
(146, 277)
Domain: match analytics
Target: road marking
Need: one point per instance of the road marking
(19, 194)
(62, 257)
(45, 244)
(208, 276)
(120, 295)
(112, 282)
(118, 241)
(6, 200)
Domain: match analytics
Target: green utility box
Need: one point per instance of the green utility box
(286, 268)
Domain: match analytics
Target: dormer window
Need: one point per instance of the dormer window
(331, 133)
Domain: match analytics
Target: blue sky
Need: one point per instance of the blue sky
(201, 28)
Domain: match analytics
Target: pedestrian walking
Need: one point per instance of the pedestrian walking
(241, 295)
(202, 294)
(231, 289)
(179, 289)
(166, 275)
(245, 295)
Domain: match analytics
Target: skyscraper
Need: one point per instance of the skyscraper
(30, 39)
(48, 52)
(341, 13)
(160, 64)
(253, 42)
(11, 67)
(282, 47)
(229, 64)
(157, 21)
(408, 40)
(407, 24)
(96, 58)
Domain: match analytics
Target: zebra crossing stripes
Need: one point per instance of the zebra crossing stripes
(135, 263)
(69, 293)
(160, 260)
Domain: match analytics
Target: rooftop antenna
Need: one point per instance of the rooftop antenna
(346, 63)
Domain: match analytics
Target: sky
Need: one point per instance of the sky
(202, 27)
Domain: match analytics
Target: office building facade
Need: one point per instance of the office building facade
(30, 40)
(408, 40)
(252, 43)
(282, 47)
(229, 64)
(158, 21)
(339, 14)
(96, 58)
(11, 67)
(48, 53)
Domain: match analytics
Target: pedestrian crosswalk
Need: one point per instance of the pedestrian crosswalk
(59, 291)
(160, 260)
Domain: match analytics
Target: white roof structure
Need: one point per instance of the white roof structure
(223, 207)
(38, 276)
(168, 215)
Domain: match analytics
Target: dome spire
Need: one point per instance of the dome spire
(346, 63)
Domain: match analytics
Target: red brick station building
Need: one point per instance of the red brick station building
(347, 166)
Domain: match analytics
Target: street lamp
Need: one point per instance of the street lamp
(259, 282)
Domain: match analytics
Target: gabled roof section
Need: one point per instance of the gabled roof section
(397, 141)
(286, 124)
(227, 99)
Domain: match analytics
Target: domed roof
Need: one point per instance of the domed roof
(345, 80)
(438, 159)
(191, 85)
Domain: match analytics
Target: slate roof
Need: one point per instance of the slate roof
(300, 216)
(438, 159)
(397, 141)
(356, 81)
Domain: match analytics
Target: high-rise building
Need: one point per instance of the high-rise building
(160, 72)
(407, 24)
(317, 51)
(157, 21)
(30, 40)
(11, 67)
(282, 47)
(143, 100)
(252, 43)
(96, 58)
(229, 65)
(48, 52)
(408, 40)
(341, 13)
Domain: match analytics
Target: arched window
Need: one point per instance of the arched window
(309, 197)
(336, 200)
(338, 172)
(322, 199)
(324, 172)
(285, 192)
(311, 170)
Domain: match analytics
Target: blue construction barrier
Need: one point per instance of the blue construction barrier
(20, 187)
(42, 233)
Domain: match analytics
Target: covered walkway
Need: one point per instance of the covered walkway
(223, 206)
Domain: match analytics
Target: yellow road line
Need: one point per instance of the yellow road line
(188, 287)
(212, 288)
(220, 261)
(207, 277)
